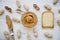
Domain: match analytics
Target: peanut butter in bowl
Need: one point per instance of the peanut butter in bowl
(29, 19)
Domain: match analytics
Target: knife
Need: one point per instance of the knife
(10, 26)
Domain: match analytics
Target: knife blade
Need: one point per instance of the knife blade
(10, 26)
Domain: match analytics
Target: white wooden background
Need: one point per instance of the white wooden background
(12, 3)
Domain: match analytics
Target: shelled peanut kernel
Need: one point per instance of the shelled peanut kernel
(48, 35)
(6, 35)
(16, 20)
(47, 7)
(59, 11)
(58, 22)
(1, 12)
(18, 34)
(19, 11)
(8, 9)
(26, 7)
(55, 2)
(28, 37)
(35, 33)
(18, 4)
(36, 7)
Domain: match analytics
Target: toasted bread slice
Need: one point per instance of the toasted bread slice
(48, 19)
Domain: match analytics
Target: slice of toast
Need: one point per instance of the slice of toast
(48, 19)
